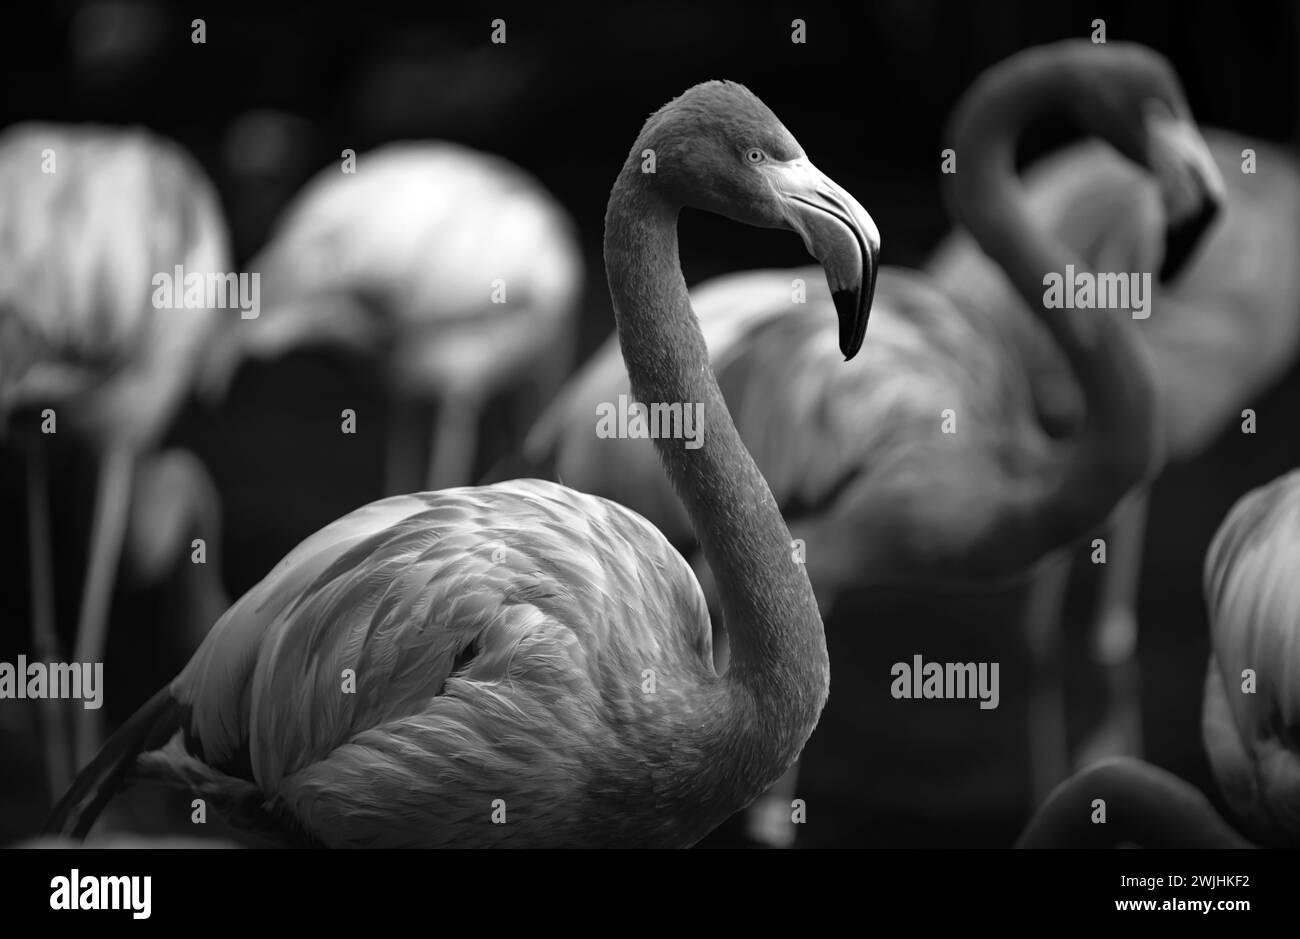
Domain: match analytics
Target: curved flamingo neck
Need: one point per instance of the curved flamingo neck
(1117, 446)
(986, 194)
(779, 675)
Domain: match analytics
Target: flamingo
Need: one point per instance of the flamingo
(1249, 714)
(531, 665)
(88, 216)
(454, 267)
(857, 458)
(1216, 340)
(1254, 606)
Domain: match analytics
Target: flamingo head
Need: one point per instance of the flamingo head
(719, 149)
(1131, 96)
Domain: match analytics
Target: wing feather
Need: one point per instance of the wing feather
(512, 594)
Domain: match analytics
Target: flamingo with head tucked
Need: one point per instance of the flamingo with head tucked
(532, 665)
(1249, 715)
(858, 458)
(88, 217)
(453, 268)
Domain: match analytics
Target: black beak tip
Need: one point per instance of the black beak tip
(853, 307)
(1182, 240)
(852, 313)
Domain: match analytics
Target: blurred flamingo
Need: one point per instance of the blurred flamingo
(1249, 715)
(88, 216)
(1215, 340)
(453, 267)
(523, 650)
(858, 458)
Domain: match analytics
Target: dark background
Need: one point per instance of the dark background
(867, 96)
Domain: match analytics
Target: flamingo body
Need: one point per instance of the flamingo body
(453, 269)
(402, 259)
(860, 449)
(79, 248)
(498, 637)
(1250, 585)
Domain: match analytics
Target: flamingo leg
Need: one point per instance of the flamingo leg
(455, 441)
(1114, 636)
(1044, 631)
(45, 637)
(107, 533)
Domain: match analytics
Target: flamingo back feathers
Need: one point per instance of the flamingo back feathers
(499, 638)
(1250, 586)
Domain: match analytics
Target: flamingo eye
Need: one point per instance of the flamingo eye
(755, 155)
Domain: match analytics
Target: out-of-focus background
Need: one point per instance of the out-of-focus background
(275, 95)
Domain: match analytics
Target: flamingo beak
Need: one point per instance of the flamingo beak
(839, 233)
(1191, 185)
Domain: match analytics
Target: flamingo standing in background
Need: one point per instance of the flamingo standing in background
(1249, 716)
(1216, 340)
(455, 267)
(858, 458)
(88, 216)
(532, 665)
